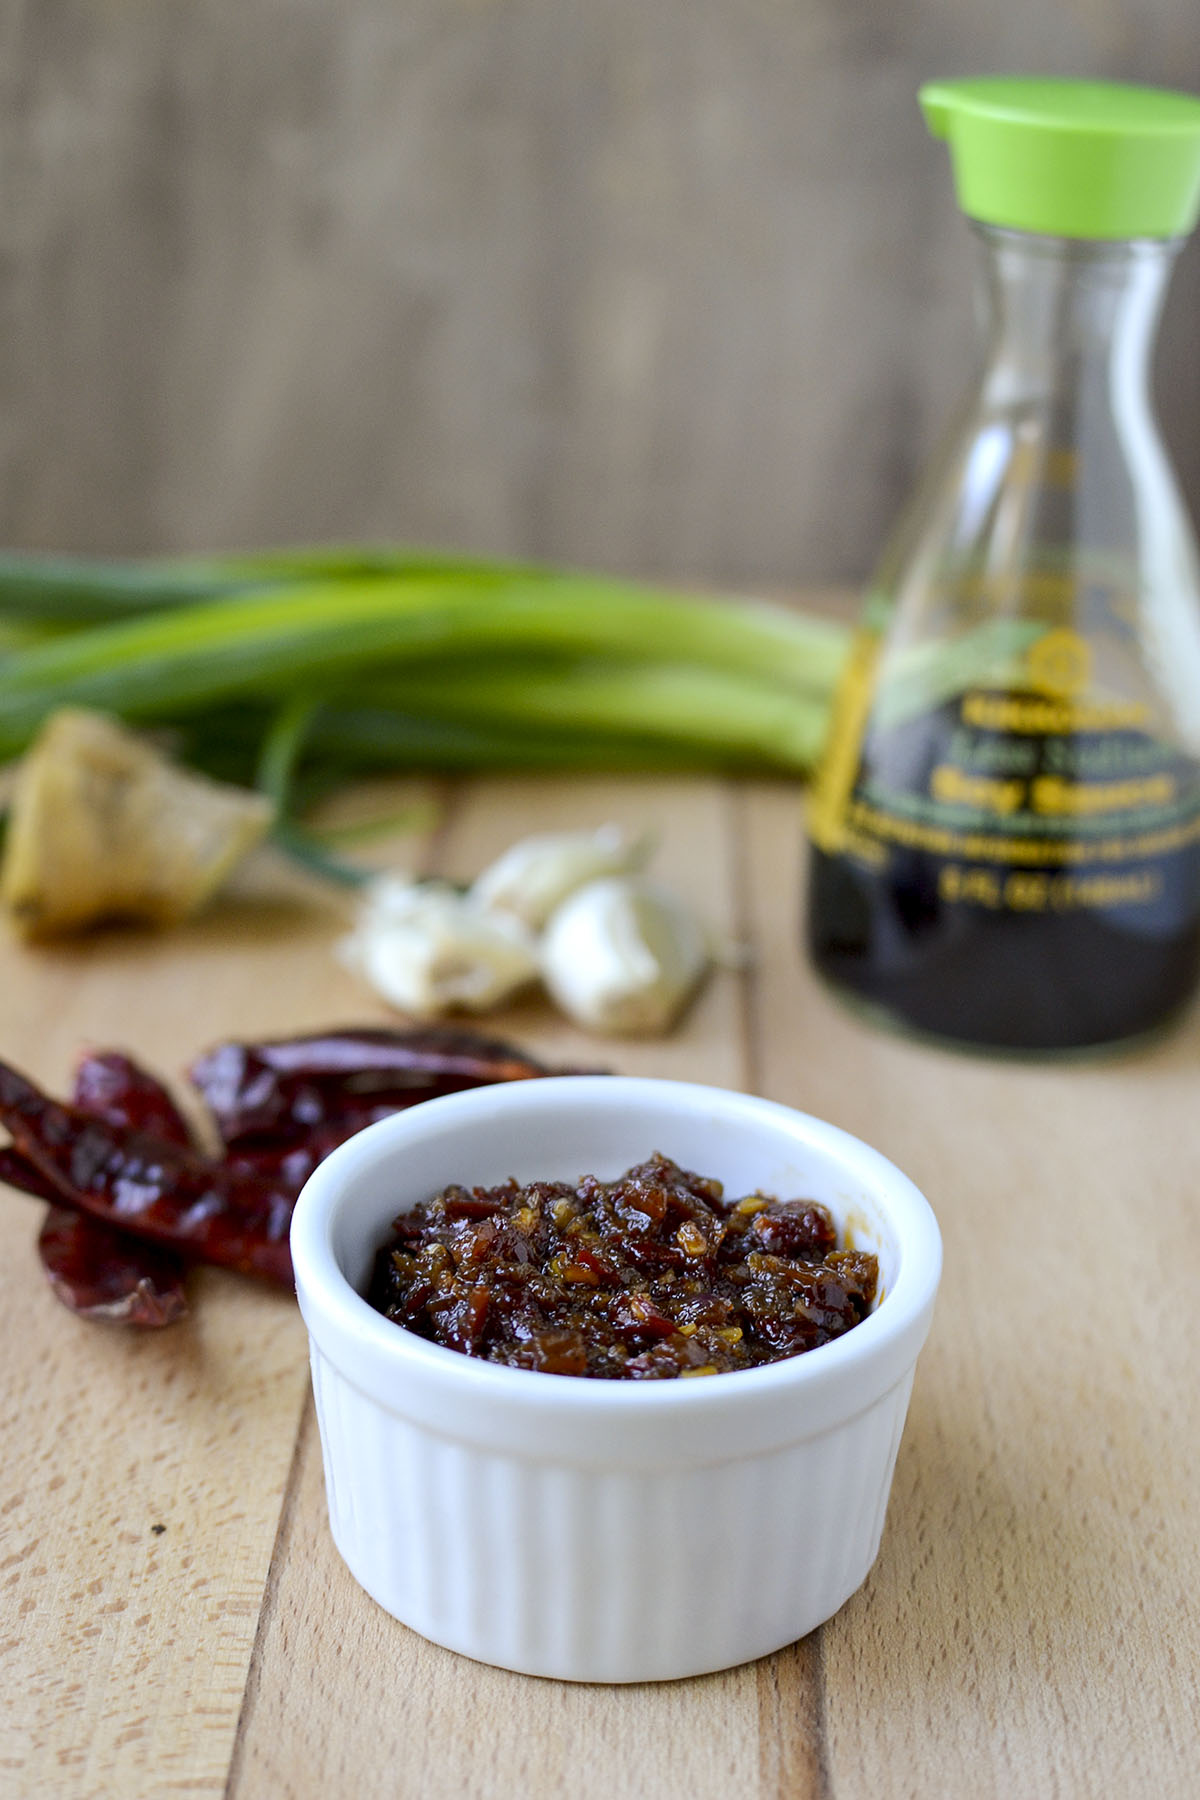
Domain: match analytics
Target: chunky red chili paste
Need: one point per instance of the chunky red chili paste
(653, 1275)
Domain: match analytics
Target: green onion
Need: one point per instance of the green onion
(706, 708)
(302, 669)
(80, 591)
(281, 748)
(84, 590)
(269, 642)
(372, 739)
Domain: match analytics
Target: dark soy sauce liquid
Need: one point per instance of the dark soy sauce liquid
(1002, 979)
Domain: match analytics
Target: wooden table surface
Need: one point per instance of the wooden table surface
(174, 1618)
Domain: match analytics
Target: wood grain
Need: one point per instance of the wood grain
(670, 286)
(129, 1647)
(1030, 1627)
(1039, 1561)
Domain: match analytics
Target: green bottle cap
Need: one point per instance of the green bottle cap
(1079, 159)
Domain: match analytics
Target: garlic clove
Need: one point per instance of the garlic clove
(623, 956)
(427, 950)
(536, 875)
(398, 897)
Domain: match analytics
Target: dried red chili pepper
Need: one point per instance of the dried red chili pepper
(289, 1161)
(286, 1086)
(17, 1171)
(150, 1188)
(96, 1270)
(132, 1197)
(101, 1273)
(110, 1085)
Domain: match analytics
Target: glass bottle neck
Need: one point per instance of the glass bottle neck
(1059, 311)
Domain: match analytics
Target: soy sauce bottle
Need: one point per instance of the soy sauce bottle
(1006, 827)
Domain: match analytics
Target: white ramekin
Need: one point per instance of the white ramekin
(607, 1530)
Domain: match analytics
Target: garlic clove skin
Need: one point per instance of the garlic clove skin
(623, 956)
(427, 950)
(536, 875)
(396, 898)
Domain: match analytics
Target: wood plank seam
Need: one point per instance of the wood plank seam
(747, 985)
(305, 1423)
(791, 1705)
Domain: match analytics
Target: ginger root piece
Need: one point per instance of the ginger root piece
(103, 827)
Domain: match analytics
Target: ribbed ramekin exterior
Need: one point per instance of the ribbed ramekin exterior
(591, 1530)
(603, 1575)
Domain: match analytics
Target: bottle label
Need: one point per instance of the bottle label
(1043, 795)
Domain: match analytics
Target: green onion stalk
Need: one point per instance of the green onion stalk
(303, 669)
